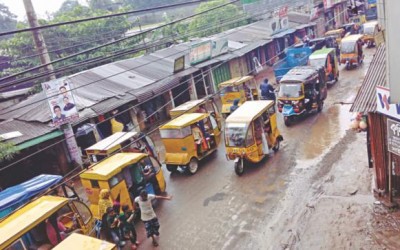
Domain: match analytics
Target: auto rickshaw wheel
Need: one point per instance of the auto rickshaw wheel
(192, 166)
(320, 106)
(239, 167)
(287, 121)
(172, 168)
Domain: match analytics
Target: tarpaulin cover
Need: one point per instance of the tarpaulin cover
(15, 196)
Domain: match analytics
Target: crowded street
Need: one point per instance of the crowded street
(216, 124)
(285, 201)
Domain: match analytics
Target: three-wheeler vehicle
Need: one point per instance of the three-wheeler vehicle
(188, 139)
(338, 34)
(326, 58)
(204, 105)
(302, 91)
(351, 51)
(242, 88)
(125, 175)
(121, 142)
(250, 133)
(82, 242)
(44, 223)
(370, 29)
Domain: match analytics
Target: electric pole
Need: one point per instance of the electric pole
(38, 38)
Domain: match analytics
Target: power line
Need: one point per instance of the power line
(101, 17)
(124, 52)
(117, 41)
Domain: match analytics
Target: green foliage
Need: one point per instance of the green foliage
(215, 18)
(7, 151)
(8, 20)
(68, 39)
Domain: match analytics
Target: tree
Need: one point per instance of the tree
(103, 5)
(8, 20)
(68, 39)
(213, 19)
(7, 151)
(67, 6)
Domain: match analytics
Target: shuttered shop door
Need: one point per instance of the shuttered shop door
(221, 74)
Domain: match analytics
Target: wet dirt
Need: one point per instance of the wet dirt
(315, 193)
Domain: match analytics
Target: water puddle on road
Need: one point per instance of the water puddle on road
(324, 134)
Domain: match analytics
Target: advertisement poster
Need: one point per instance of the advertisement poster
(61, 102)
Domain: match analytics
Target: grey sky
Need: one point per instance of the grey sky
(41, 7)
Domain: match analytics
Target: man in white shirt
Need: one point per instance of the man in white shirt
(148, 215)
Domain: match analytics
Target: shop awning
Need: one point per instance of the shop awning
(39, 139)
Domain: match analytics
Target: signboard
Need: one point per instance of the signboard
(179, 64)
(280, 20)
(200, 52)
(219, 47)
(383, 104)
(61, 101)
(393, 136)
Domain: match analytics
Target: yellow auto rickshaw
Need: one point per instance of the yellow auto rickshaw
(121, 142)
(125, 175)
(338, 34)
(326, 58)
(82, 242)
(31, 227)
(351, 50)
(198, 106)
(188, 139)
(251, 132)
(370, 29)
(241, 88)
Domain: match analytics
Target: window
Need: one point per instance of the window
(115, 180)
(229, 89)
(235, 134)
(250, 138)
(94, 184)
(290, 90)
(175, 133)
(214, 123)
(83, 211)
(318, 62)
(347, 47)
(271, 110)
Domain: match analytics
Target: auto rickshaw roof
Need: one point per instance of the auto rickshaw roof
(299, 74)
(329, 32)
(80, 241)
(371, 24)
(248, 111)
(112, 165)
(235, 81)
(352, 38)
(112, 141)
(321, 53)
(188, 105)
(29, 216)
(184, 120)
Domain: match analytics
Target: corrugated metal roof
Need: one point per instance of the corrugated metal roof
(29, 130)
(365, 100)
(298, 18)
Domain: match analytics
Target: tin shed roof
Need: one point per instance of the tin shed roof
(365, 100)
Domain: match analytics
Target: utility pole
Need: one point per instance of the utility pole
(38, 38)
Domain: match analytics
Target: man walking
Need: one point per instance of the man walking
(267, 91)
(148, 215)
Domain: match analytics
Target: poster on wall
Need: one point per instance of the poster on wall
(393, 136)
(61, 102)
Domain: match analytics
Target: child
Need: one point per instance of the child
(127, 218)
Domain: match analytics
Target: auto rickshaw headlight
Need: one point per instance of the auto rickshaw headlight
(183, 148)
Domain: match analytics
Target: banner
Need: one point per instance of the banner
(61, 102)
(200, 52)
(383, 103)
